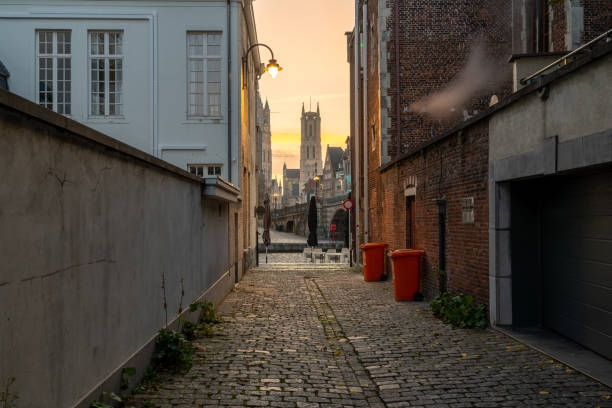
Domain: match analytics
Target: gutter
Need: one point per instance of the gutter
(219, 189)
(229, 90)
(364, 54)
(357, 124)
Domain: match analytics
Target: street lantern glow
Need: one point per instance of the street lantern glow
(273, 68)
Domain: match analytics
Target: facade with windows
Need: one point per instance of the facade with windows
(152, 74)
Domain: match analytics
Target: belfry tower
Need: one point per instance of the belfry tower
(310, 150)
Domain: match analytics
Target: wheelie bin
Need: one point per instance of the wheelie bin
(373, 259)
(406, 268)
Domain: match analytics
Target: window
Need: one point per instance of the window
(106, 73)
(202, 170)
(204, 73)
(53, 59)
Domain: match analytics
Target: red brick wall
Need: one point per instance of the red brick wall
(597, 18)
(454, 168)
(558, 28)
(435, 40)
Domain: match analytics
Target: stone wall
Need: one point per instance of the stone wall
(91, 230)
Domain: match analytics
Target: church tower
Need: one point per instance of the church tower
(310, 150)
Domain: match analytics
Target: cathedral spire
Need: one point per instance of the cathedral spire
(303, 110)
(318, 111)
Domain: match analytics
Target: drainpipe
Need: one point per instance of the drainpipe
(366, 205)
(396, 33)
(356, 196)
(441, 244)
(229, 91)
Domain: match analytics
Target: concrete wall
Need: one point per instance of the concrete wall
(89, 231)
(558, 124)
(525, 126)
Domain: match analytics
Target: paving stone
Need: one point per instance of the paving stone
(319, 336)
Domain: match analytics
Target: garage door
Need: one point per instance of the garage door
(577, 259)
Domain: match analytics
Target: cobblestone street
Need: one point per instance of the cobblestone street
(319, 336)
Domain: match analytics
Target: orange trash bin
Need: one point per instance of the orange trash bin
(373, 258)
(406, 268)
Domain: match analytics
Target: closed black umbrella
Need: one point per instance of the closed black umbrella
(267, 221)
(312, 223)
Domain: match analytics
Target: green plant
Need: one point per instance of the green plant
(208, 314)
(8, 398)
(148, 379)
(106, 400)
(126, 373)
(173, 351)
(188, 329)
(459, 310)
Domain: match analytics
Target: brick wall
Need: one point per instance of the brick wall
(454, 168)
(558, 26)
(435, 40)
(597, 18)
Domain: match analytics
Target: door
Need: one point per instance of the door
(577, 259)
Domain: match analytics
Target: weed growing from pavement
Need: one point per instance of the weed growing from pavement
(459, 310)
(8, 398)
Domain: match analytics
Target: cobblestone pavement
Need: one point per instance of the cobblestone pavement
(304, 336)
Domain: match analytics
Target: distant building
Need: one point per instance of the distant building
(310, 145)
(276, 194)
(333, 180)
(264, 151)
(291, 186)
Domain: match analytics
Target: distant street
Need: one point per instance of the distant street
(289, 237)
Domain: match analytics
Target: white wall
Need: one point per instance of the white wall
(155, 70)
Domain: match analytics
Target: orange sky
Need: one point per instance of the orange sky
(309, 43)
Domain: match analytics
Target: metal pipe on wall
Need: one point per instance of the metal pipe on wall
(356, 93)
(397, 76)
(365, 131)
(441, 244)
(229, 90)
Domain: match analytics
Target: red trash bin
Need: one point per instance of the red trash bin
(373, 259)
(406, 268)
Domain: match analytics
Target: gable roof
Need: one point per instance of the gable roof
(335, 156)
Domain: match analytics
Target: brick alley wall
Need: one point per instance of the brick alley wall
(435, 40)
(454, 168)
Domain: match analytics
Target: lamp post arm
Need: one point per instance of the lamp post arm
(257, 45)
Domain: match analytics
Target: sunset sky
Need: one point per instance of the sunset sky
(309, 43)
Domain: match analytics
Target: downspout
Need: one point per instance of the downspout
(441, 244)
(366, 204)
(229, 91)
(397, 76)
(357, 195)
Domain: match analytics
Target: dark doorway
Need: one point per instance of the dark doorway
(410, 222)
(561, 246)
(340, 220)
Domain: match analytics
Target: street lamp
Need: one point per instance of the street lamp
(272, 68)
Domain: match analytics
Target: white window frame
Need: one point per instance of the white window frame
(54, 56)
(204, 170)
(205, 58)
(106, 57)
